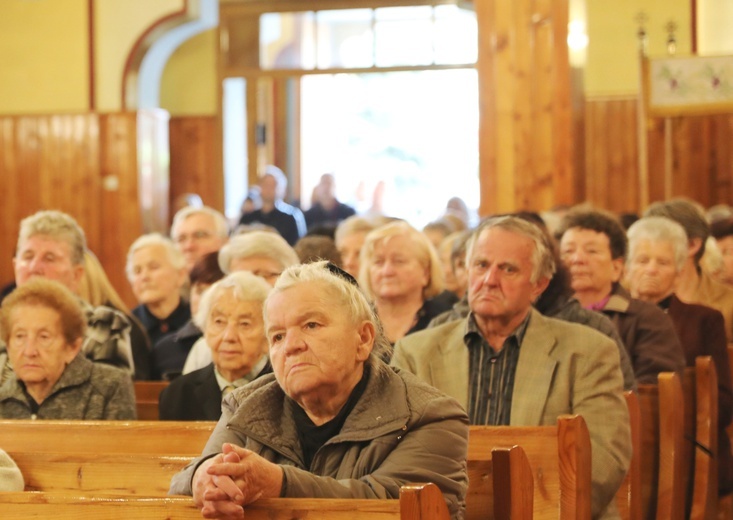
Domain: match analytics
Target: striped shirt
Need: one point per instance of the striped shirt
(491, 374)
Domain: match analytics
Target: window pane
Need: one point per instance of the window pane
(456, 35)
(287, 41)
(234, 115)
(388, 153)
(404, 36)
(384, 37)
(345, 39)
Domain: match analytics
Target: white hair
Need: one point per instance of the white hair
(258, 243)
(220, 222)
(244, 285)
(175, 257)
(659, 229)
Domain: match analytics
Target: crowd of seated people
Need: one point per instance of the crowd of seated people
(507, 322)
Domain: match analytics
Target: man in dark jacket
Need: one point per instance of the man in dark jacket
(287, 219)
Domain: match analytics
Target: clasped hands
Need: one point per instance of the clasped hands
(224, 484)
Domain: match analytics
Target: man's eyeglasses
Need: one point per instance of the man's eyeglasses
(195, 236)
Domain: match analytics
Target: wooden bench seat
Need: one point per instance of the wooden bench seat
(417, 502)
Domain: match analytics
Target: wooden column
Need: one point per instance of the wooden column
(525, 135)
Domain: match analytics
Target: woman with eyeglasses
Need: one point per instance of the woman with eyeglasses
(43, 325)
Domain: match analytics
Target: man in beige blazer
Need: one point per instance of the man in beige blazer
(508, 364)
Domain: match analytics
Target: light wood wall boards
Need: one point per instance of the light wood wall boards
(525, 135)
(85, 165)
(611, 170)
(700, 155)
(196, 159)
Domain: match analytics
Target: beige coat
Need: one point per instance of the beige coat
(563, 368)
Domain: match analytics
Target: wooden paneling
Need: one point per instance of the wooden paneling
(120, 211)
(48, 162)
(699, 153)
(611, 172)
(85, 165)
(195, 149)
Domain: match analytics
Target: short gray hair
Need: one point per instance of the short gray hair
(57, 225)
(175, 257)
(244, 285)
(220, 222)
(659, 229)
(258, 243)
(543, 259)
(349, 297)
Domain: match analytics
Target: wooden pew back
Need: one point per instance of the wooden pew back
(99, 473)
(729, 429)
(417, 502)
(560, 461)
(628, 498)
(129, 437)
(705, 474)
(514, 485)
(662, 424)
(66, 506)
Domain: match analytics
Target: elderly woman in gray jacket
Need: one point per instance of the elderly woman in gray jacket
(333, 421)
(43, 326)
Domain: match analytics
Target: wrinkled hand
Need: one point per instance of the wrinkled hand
(225, 483)
(206, 489)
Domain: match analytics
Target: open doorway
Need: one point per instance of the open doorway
(398, 143)
(385, 98)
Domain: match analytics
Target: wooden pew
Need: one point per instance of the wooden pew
(151, 437)
(725, 504)
(98, 473)
(705, 474)
(559, 459)
(147, 394)
(513, 484)
(729, 429)
(417, 502)
(628, 498)
(662, 423)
